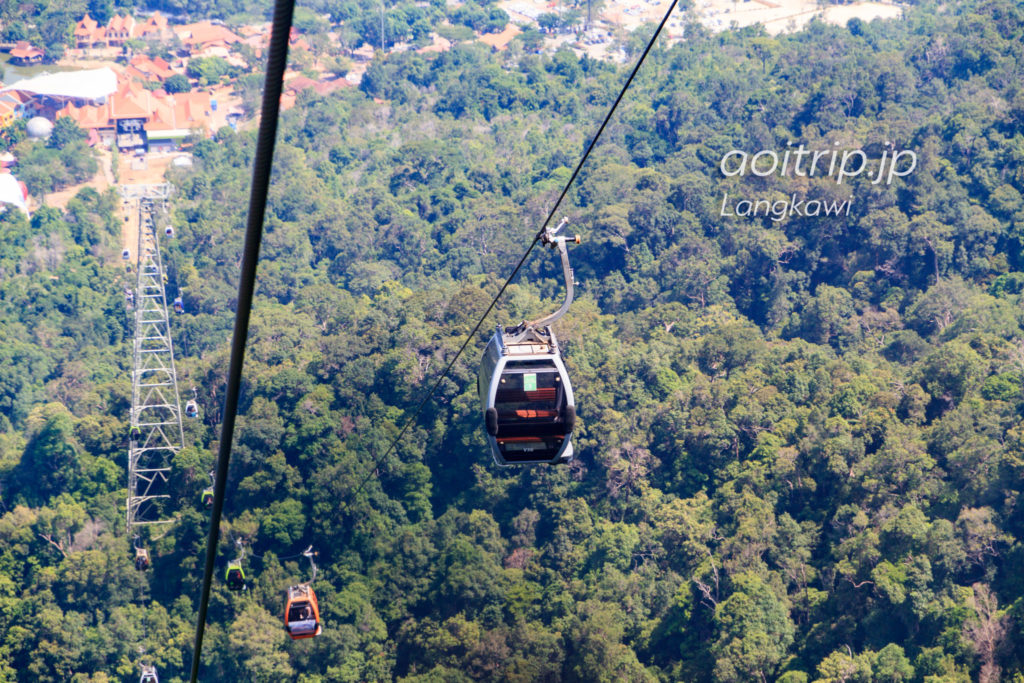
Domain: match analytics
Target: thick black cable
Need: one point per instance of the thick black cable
(277, 60)
(515, 271)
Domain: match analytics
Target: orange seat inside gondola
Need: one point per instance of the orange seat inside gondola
(528, 414)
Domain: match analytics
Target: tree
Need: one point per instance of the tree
(985, 631)
(177, 83)
(754, 631)
(65, 131)
(208, 70)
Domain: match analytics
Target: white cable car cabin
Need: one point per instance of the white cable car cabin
(149, 675)
(529, 408)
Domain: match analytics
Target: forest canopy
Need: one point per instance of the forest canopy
(799, 445)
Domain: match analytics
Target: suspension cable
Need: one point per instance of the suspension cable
(277, 60)
(515, 271)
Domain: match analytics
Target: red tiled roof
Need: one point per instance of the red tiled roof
(183, 110)
(151, 68)
(161, 111)
(140, 75)
(24, 50)
(157, 23)
(124, 106)
(87, 117)
(118, 23)
(85, 27)
(204, 33)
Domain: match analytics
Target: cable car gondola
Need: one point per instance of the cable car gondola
(207, 496)
(141, 559)
(301, 610)
(179, 305)
(529, 409)
(191, 406)
(235, 576)
(149, 675)
(302, 613)
(169, 231)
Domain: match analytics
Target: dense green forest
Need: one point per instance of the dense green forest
(799, 449)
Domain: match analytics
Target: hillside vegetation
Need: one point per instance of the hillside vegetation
(799, 447)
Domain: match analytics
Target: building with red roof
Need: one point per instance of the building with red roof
(149, 69)
(88, 33)
(205, 34)
(154, 28)
(120, 29)
(135, 117)
(25, 54)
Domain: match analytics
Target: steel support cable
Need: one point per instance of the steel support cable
(277, 60)
(515, 271)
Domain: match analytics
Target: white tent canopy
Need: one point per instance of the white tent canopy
(91, 84)
(11, 193)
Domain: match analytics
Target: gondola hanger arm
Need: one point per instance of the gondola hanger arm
(552, 239)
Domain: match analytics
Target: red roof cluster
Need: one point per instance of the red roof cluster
(159, 110)
(88, 32)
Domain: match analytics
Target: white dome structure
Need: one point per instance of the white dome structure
(13, 192)
(38, 127)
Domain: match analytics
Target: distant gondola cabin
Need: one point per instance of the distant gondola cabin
(141, 559)
(235, 576)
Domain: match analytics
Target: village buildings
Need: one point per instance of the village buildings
(89, 34)
(138, 112)
(134, 117)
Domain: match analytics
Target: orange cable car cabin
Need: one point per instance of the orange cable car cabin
(302, 613)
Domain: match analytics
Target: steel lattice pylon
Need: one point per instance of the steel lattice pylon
(156, 432)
